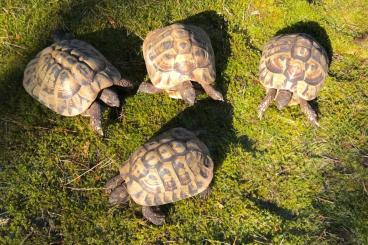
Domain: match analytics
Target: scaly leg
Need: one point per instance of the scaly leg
(156, 217)
(205, 194)
(147, 87)
(212, 92)
(95, 112)
(308, 111)
(266, 102)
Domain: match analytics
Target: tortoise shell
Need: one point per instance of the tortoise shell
(173, 166)
(68, 76)
(294, 62)
(179, 53)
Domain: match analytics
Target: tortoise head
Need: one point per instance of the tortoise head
(110, 97)
(187, 92)
(283, 98)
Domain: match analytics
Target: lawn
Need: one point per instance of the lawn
(279, 180)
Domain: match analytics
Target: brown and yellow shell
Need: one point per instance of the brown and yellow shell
(173, 166)
(68, 76)
(294, 62)
(179, 53)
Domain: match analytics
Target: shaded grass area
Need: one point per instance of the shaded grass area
(278, 180)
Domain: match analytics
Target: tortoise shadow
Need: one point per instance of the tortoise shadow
(123, 49)
(315, 30)
(272, 207)
(214, 121)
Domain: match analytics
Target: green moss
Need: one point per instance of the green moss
(278, 180)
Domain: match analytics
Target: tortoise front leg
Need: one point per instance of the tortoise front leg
(212, 92)
(271, 93)
(308, 111)
(156, 217)
(147, 87)
(95, 112)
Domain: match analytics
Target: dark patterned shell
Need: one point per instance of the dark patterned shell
(173, 166)
(68, 75)
(295, 62)
(178, 53)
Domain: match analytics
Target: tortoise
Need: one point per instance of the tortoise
(71, 76)
(170, 167)
(176, 55)
(293, 68)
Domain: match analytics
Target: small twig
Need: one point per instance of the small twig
(214, 241)
(89, 170)
(365, 188)
(4, 221)
(325, 200)
(28, 236)
(86, 189)
(27, 127)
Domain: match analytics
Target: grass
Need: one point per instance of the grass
(278, 180)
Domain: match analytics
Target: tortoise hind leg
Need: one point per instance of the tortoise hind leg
(95, 112)
(266, 102)
(308, 111)
(212, 92)
(156, 217)
(205, 194)
(147, 87)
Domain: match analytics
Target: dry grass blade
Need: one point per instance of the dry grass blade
(105, 162)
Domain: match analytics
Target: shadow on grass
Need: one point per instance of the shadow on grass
(272, 207)
(343, 204)
(123, 49)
